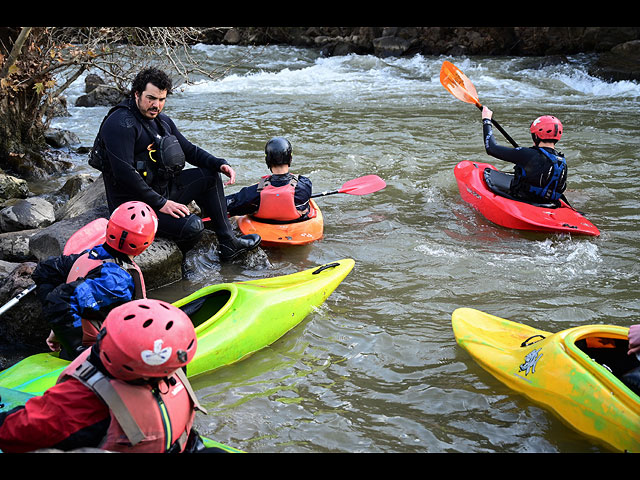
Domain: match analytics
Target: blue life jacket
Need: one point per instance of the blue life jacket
(556, 178)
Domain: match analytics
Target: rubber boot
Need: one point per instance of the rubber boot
(231, 248)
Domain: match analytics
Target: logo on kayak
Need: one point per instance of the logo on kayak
(530, 362)
(474, 193)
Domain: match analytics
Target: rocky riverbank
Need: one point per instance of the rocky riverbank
(616, 49)
(34, 228)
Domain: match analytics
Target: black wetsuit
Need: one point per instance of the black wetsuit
(132, 175)
(532, 167)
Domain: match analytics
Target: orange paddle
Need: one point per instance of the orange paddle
(459, 85)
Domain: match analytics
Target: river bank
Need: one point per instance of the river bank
(617, 49)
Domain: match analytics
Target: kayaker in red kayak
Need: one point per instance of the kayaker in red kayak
(540, 172)
(128, 393)
(77, 291)
(281, 196)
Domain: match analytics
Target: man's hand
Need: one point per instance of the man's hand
(175, 209)
(229, 172)
(53, 343)
(634, 339)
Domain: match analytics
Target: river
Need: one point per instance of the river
(377, 367)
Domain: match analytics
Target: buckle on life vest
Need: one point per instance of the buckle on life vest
(151, 150)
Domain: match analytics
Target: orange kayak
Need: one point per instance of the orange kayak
(278, 234)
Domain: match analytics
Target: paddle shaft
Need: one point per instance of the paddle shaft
(17, 298)
(502, 130)
(323, 194)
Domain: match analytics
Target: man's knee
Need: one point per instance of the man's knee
(192, 228)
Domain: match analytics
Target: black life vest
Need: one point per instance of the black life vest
(166, 159)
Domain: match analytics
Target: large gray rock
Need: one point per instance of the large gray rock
(91, 198)
(34, 212)
(50, 241)
(12, 187)
(14, 246)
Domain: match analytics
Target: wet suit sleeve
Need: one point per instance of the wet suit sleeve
(193, 154)
(508, 154)
(244, 202)
(303, 192)
(91, 297)
(67, 416)
(120, 132)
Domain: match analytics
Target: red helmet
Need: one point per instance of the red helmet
(132, 227)
(146, 338)
(546, 127)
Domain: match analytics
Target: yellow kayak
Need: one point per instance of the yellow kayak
(574, 372)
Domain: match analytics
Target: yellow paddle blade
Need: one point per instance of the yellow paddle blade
(458, 84)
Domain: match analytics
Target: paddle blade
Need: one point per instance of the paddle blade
(363, 185)
(458, 84)
(92, 234)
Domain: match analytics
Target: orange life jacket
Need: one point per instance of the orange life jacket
(143, 420)
(81, 268)
(278, 203)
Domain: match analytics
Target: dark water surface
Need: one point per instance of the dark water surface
(377, 368)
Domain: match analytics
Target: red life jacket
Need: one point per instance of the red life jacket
(278, 203)
(142, 420)
(82, 266)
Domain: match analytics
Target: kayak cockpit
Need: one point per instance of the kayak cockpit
(204, 308)
(500, 183)
(612, 353)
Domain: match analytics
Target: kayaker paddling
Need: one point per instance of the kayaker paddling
(143, 155)
(77, 291)
(128, 393)
(540, 172)
(279, 197)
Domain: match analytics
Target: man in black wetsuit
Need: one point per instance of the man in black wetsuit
(142, 154)
(540, 172)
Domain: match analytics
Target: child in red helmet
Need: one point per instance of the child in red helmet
(78, 291)
(127, 393)
(540, 172)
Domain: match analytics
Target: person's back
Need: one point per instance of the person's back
(281, 196)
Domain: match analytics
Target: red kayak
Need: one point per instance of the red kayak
(486, 189)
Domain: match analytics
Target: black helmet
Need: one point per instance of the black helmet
(277, 151)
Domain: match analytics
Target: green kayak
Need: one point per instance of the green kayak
(232, 321)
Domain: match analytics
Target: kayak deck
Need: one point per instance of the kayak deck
(285, 234)
(498, 207)
(575, 373)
